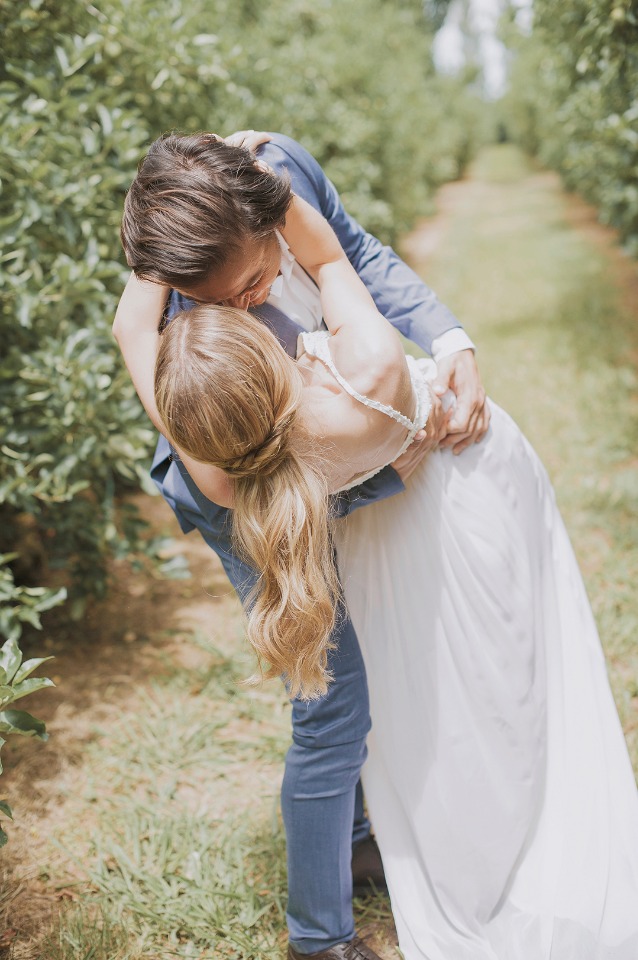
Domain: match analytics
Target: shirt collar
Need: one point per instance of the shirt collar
(285, 267)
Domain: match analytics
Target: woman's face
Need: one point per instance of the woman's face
(246, 279)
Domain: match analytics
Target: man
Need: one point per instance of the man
(202, 217)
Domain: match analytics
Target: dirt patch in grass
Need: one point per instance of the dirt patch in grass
(101, 665)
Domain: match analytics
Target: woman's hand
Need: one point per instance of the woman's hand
(248, 139)
(425, 440)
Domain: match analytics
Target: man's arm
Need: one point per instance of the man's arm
(399, 294)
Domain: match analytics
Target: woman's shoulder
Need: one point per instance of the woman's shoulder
(344, 386)
(376, 372)
(345, 364)
(352, 435)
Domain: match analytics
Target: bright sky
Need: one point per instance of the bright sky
(448, 45)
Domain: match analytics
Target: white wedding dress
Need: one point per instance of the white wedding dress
(498, 780)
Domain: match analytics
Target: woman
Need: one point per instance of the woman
(498, 780)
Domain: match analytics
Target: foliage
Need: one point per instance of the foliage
(84, 88)
(16, 681)
(18, 606)
(573, 100)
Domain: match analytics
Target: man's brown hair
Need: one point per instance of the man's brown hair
(193, 204)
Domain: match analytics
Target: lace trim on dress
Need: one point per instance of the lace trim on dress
(316, 344)
(320, 349)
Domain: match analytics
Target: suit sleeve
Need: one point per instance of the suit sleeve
(400, 295)
(386, 483)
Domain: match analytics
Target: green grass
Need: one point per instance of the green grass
(179, 861)
(175, 828)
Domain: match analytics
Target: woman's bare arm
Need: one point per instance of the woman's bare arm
(367, 347)
(345, 300)
(136, 329)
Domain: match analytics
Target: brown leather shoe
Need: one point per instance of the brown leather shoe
(367, 869)
(353, 950)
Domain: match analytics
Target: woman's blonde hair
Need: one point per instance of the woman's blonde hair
(229, 395)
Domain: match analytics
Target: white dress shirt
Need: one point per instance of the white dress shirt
(295, 294)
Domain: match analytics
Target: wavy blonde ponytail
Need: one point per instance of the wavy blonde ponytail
(229, 395)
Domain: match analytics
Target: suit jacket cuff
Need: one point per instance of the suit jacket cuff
(384, 484)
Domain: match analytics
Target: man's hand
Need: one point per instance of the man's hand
(468, 421)
(424, 441)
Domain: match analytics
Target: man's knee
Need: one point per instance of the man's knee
(342, 716)
(316, 774)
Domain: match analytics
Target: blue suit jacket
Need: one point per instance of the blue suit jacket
(399, 294)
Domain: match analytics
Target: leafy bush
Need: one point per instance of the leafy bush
(20, 605)
(16, 682)
(573, 101)
(84, 88)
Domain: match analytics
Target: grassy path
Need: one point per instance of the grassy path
(151, 816)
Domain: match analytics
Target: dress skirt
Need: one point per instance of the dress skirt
(498, 780)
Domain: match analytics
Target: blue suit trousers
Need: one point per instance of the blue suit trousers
(321, 797)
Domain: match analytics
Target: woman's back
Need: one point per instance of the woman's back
(363, 415)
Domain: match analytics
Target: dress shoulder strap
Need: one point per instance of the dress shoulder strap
(316, 344)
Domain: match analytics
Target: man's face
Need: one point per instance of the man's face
(246, 279)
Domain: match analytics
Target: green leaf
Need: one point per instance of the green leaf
(175, 568)
(6, 694)
(30, 686)
(6, 809)
(52, 601)
(28, 667)
(21, 722)
(29, 615)
(10, 657)
(3, 838)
